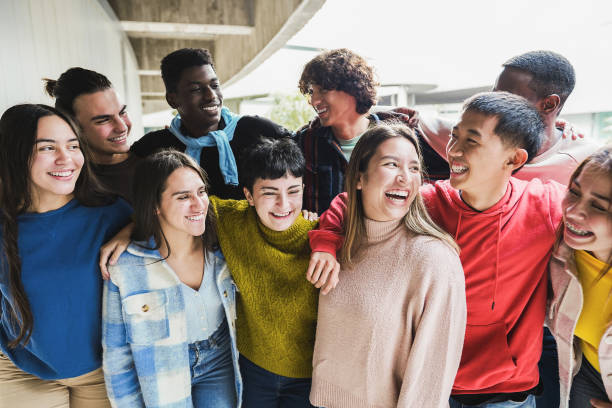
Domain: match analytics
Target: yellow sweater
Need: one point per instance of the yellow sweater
(597, 308)
(276, 306)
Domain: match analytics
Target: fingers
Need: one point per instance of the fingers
(105, 253)
(310, 216)
(332, 280)
(311, 267)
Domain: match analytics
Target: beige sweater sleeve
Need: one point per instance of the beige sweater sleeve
(436, 350)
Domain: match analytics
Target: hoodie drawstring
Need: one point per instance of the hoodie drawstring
(499, 227)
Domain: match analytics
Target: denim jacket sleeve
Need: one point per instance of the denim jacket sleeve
(120, 374)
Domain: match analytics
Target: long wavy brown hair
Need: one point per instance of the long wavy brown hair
(18, 128)
(416, 220)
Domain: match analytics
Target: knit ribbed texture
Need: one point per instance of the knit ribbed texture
(276, 305)
(391, 333)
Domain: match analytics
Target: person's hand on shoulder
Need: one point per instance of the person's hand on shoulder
(110, 252)
(569, 131)
(310, 216)
(408, 116)
(323, 271)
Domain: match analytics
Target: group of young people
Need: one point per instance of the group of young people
(220, 291)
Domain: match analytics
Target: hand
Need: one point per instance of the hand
(110, 252)
(323, 271)
(600, 404)
(568, 130)
(413, 116)
(310, 216)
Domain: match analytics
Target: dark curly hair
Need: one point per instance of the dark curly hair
(341, 70)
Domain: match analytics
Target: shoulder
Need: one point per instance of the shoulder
(133, 266)
(152, 141)
(225, 207)
(536, 189)
(435, 260)
(262, 126)
(578, 149)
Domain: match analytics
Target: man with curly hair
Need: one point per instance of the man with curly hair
(341, 88)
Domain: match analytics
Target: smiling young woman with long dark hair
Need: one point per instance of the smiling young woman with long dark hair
(53, 221)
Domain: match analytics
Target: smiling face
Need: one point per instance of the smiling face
(391, 181)
(333, 107)
(104, 121)
(184, 204)
(480, 163)
(278, 202)
(56, 164)
(586, 213)
(198, 98)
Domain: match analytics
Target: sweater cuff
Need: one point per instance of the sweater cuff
(325, 241)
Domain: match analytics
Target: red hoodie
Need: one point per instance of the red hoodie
(504, 253)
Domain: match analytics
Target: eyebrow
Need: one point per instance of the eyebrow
(276, 189)
(54, 141)
(470, 131)
(183, 192)
(601, 197)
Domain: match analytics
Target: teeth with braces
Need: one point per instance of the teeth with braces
(575, 230)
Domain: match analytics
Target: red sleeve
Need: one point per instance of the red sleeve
(329, 236)
(556, 193)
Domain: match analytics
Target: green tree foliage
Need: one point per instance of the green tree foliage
(291, 110)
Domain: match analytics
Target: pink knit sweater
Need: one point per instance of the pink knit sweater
(391, 333)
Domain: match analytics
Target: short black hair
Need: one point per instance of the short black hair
(271, 159)
(552, 73)
(518, 122)
(173, 64)
(73, 83)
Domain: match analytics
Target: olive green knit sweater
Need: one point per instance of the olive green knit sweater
(276, 305)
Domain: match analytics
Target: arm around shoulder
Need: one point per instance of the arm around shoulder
(329, 236)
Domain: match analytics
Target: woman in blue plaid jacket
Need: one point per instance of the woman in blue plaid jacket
(169, 309)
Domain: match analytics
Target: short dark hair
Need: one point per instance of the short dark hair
(271, 159)
(518, 122)
(173, 64)
(72, 84)
(150, 177)
(552, 73)
(342, 70)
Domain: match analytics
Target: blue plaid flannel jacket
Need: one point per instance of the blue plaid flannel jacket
(144, 334)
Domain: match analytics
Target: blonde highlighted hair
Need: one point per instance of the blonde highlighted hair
(417, 218)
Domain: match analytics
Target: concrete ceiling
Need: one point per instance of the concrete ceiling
(240, 34)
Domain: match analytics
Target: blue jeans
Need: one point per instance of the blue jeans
(587, 384)
(263, 389)
(549, 372)
(530, 402)
(213, 383)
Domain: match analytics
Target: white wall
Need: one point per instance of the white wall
(43, 38)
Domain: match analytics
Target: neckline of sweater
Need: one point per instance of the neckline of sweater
(297, 233)
(378, 231)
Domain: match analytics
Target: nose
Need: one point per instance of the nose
(453, 148)
(199, 202)
(282, 200)
(314, 97)
(576, 208)
(120, 125)
(62, 155)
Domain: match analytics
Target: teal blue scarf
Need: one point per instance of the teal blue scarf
(219, 138)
